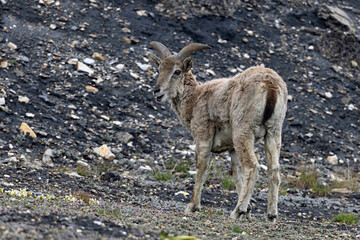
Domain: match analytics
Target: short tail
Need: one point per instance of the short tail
(271, 98)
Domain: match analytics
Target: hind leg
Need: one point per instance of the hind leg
(272, 154)
(236, 172)
(244, 148)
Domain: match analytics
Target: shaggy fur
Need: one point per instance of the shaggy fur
(229, 114)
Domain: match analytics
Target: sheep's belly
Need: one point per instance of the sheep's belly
(222, 140)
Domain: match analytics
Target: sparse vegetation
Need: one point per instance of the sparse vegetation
(346, 218)
(83, 171)
(309, 180)
(84, 196)
(162, 175)
(227, 183)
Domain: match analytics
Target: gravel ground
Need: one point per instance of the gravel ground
(77, 74)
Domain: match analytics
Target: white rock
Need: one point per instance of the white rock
(134, 75)
(263, 167)
(142, 13)
(89, 61)
(73, 61)
(145, 168)
(246, 55)
(53, 26)
(182, 192)
(120, 67)
(104, 151)
(143, 67)
(48, 154)
(12, 45)
(23, 99)
(311, 47)
(82, 163)
(82, 67)
(222, 41)
(74, 174)
(30, 115)
(210, 72)
(328, 95)
(351, 107)
(2, 101)
(333, 160)
(192, 172)
(72, 116)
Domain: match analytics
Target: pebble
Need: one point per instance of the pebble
(104, 151)
(82, 163)
(30, 115)
(91, 89)
(89, 61)
(48, 154)
(333, 160)
(210, 72)
(143, 67)
(52, 26)
(354, 63)
(126, 30)
(120, 67)
(25, 129)
(98, 56)
(4, 64)
(2, 101)
(23, 99)
(12, 45)
(328, 95)
(142, 13)
(82, 67)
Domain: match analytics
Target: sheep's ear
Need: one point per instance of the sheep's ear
(154, 60)
(187, 64)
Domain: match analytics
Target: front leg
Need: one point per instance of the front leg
(202, 154)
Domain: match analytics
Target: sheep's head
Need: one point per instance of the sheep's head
(172, 69)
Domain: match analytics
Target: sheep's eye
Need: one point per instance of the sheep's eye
(177, 72)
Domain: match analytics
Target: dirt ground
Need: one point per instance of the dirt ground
(141, 190)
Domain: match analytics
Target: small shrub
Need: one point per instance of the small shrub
(346, 218)
(162, 176)
(227, 183)
(182, 167)
(84, 196)
(282, 191)
(237, 229)
(83, 171)
(309, 180)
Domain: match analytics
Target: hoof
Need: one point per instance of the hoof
(242, 215)
(271, 218)
(192, 208)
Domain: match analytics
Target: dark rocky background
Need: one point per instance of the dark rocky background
(313, 45)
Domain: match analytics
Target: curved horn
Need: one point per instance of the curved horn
(189, 49)
(161, 49)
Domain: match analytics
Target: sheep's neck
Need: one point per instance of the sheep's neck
(183, 103)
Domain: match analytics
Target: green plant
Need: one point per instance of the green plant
(109, 212)
(283, 191)
(237, 229)
(83, 171)
(84, 196)
(346, 218)
(162, 176)
(182, 167)
(227, 183)
(309, 180)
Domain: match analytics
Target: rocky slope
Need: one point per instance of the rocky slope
(77, 74)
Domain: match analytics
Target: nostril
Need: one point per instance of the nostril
(156, 91)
